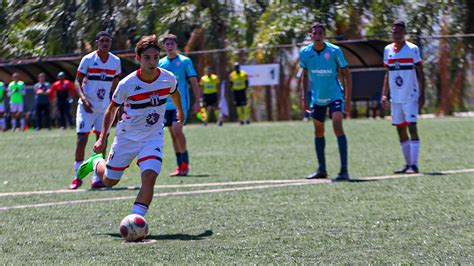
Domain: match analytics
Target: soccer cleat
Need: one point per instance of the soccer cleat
(97, 184)
(317, 175)
(413, 169)
(343, 176)
(75, 184)
(402, 170)
(87, 167)
(184, 169)
(176, 172)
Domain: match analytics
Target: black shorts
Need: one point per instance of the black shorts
(240, 97)
(319, 112)
(210, 100)
(170, 117)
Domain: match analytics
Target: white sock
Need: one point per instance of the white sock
(405, 145)
(139, 208)
(13, 123)
(76, 167)
(95, 176)
(22, 123)
(414, 150)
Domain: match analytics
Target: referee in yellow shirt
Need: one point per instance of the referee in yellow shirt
(210, 84)
(239, 83)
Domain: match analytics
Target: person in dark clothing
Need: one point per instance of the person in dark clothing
(63, 90)
(42, 90)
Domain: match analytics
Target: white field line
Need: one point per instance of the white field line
(178, 193)
(61, 191)
(207, 191)
(232, 183)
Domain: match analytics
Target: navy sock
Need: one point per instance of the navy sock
(185, 157)
(179, 159)
(342, 143)
(320, 145)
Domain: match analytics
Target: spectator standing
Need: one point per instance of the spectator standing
(42, 91)
(16, 92)
(64, 91)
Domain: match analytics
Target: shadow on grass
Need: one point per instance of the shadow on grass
(201, 175)
(184, 237)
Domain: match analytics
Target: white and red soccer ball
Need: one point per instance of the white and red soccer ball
(133, 228)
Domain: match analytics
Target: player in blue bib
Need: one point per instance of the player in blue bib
(183, 69)
(322, 61)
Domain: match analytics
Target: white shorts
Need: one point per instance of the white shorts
(404, 113)
(123, 151)
(2, 108)
(86, 121)
(16, 107)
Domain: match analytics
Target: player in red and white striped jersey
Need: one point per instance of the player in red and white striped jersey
(140, 132)
(406, 81)
(97, 76)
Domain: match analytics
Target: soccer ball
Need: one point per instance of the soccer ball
(133, 228)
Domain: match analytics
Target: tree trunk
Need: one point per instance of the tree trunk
(444, 62)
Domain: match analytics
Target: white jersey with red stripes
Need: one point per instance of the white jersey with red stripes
(402, 79)
(145, 105)
(99, 77)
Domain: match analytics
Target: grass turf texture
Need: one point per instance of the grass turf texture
(417, 219)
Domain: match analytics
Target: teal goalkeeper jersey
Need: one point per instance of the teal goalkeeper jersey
(182, 67)
(323, 67)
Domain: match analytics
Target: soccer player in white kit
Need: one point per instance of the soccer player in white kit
(406, 81)
(97, 76)
(140, 132)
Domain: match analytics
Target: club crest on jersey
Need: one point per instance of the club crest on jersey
(178, 63)
(103, 75)
(155, 99)
(327, 56)
(399, 81)
(101, 93)
(397, 65)
(152, 118)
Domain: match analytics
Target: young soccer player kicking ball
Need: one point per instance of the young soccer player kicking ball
(140, 132)
(406, 81)
(323, 61)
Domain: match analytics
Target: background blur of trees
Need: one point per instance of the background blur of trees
(242, 30)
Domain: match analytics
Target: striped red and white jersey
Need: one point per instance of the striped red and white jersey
(99, 77)
(144, 104)
(402, 79)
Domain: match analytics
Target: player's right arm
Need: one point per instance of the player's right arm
(303, 76)
(384, 99)
(109, 117)
(78, 84)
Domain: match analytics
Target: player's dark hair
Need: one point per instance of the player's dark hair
(103, 33)
(319, 25)
(170, 37)
(145, 43)
(400, 23)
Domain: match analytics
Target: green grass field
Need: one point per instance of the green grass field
(417, 219)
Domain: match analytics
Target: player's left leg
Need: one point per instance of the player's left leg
(181, 149)
(149, 159)
(411, 109)
(96, 181)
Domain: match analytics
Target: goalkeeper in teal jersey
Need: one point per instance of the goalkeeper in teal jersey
(322, 62)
